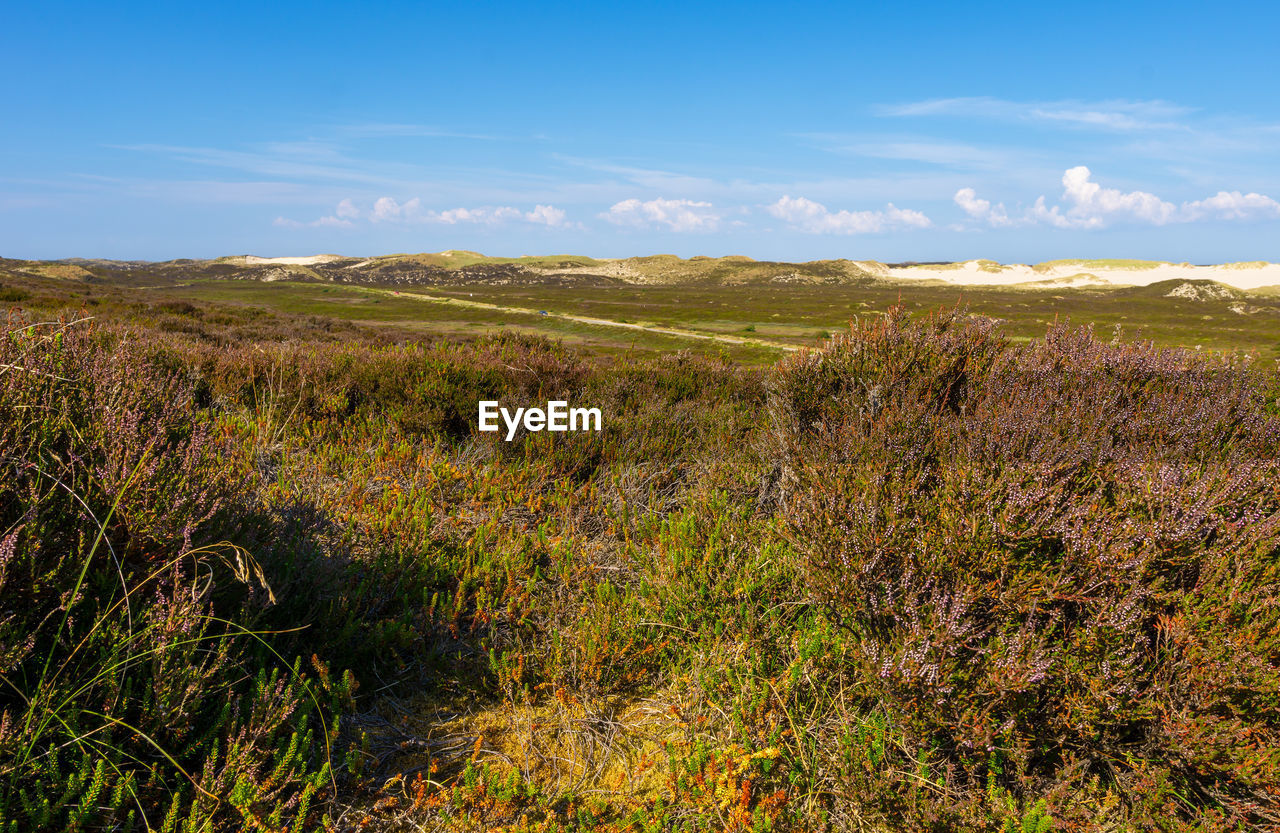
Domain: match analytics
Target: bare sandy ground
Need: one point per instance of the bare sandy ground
(1091, 273)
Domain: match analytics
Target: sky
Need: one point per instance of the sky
(786, 131)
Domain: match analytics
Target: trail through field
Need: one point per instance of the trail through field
(584, 319)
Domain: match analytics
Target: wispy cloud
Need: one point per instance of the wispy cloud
(1118, 115)
(1120, 119)
(814, 218)
(329, 162)
(657, 179)
(378, 130)
(947, 154)
(308, 161)
(322, 222)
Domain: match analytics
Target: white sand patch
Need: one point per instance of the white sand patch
(873, 267)
(254, 260)
(610, 268)
(1239, 275)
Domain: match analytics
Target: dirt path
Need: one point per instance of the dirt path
(583, 319)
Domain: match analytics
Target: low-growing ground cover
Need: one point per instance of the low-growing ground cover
(261, 573)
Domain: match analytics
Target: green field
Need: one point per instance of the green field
(799, 314)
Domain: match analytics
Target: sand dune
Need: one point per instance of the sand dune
(253, 260)
(1092, 272)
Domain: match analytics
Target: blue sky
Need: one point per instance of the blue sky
(786, 131)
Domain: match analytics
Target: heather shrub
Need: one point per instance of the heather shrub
(424, 390)
(127, 698)
(680, 412)
(945, 582)
(1058, 561)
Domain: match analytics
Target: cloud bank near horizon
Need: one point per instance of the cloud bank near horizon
(1089, 206)
(388, 210)
(1014, 179)
(1086, 205)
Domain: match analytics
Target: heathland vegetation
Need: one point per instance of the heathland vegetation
(258, 571)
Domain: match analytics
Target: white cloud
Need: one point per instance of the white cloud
(453, 216)
(386, 209)
(814, 218)
(1232, 205)
(547, 215)
(1093, 206)
(389, 210)
(543, 215)
(1042, 213)
(982, 210)
(675, 215)
(1089, 205)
